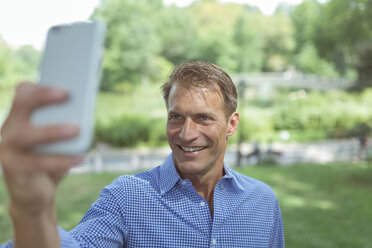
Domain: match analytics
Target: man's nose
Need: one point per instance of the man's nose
(189, 130)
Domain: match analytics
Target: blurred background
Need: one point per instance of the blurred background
(303, 70)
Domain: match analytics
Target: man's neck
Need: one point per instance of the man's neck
(205, 184)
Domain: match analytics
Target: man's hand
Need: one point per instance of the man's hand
(32, 178)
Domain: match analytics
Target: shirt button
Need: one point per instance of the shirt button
(214, 241)
(184, 182)
(202, 204)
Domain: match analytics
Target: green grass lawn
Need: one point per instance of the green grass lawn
(322, 205)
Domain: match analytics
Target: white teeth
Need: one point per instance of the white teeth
(192, 149)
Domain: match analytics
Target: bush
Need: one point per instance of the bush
(255, 124)
(140, 119)
(328, 112)
(132, 131)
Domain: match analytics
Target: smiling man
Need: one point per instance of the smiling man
(199, 123)
(192, 200)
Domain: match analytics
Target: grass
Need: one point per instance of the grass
(325, 206)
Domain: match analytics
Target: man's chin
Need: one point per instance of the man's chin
(188, 166)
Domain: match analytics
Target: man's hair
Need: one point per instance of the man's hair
(198, 75)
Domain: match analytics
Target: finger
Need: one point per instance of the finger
(29, 96)
(30, 136)
(38, 135)
(21, 168)
(32, 164)
(56, 166)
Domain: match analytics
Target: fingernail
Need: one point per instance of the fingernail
(70, 129)
(58, 93)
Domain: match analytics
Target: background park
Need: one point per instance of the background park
(304, 76)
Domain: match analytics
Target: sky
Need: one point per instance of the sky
(27, 21)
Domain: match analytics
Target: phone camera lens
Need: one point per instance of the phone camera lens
(56, 29)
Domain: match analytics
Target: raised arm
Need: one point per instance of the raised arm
(32, 179)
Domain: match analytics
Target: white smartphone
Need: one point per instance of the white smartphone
(71, 61)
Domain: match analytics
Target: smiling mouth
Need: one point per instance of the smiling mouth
(192, 149)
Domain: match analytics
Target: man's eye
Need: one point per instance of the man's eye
(204, 118)
(174, 117)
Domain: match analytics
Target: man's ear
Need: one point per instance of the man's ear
(233, 123)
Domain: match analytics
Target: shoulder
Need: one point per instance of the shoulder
(136, 182)
(253, 186)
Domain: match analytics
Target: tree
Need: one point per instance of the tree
(346, 38)
(214, 24)
(249, 54)
(278, 41)
(131, 40)
(27, 61)
(304, 17)
(178, 38)
(16, 65)
(308, 61)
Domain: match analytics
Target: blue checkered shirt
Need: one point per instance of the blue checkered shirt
(159, 209)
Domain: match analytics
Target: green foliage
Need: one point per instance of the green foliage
(146, 38)
(340, 40)
(327, 112)
(131, 40)
(308, 116)
(255, 124)
(314, 116)
(132, 131)
(309, 62)
(278, 42)
(145, 101)
(132, 119)
(215, 32)
(249, 54)
(16, 65)
(178, 37)
(304, 17)
(353, 26)
(312, 37)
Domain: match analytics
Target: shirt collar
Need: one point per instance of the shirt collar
(231, 175)
(169, 175)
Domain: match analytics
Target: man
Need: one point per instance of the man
(192, 200)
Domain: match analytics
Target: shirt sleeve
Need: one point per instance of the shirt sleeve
(66, 240)
(277, 232)
(104, 223)
(7, 245)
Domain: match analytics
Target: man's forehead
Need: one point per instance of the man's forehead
(195, 97)
(196, 89)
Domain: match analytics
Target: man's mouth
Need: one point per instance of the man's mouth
(192, 149)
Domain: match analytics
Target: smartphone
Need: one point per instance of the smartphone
(71, 61)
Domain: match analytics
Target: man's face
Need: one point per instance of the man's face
(197, 130)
